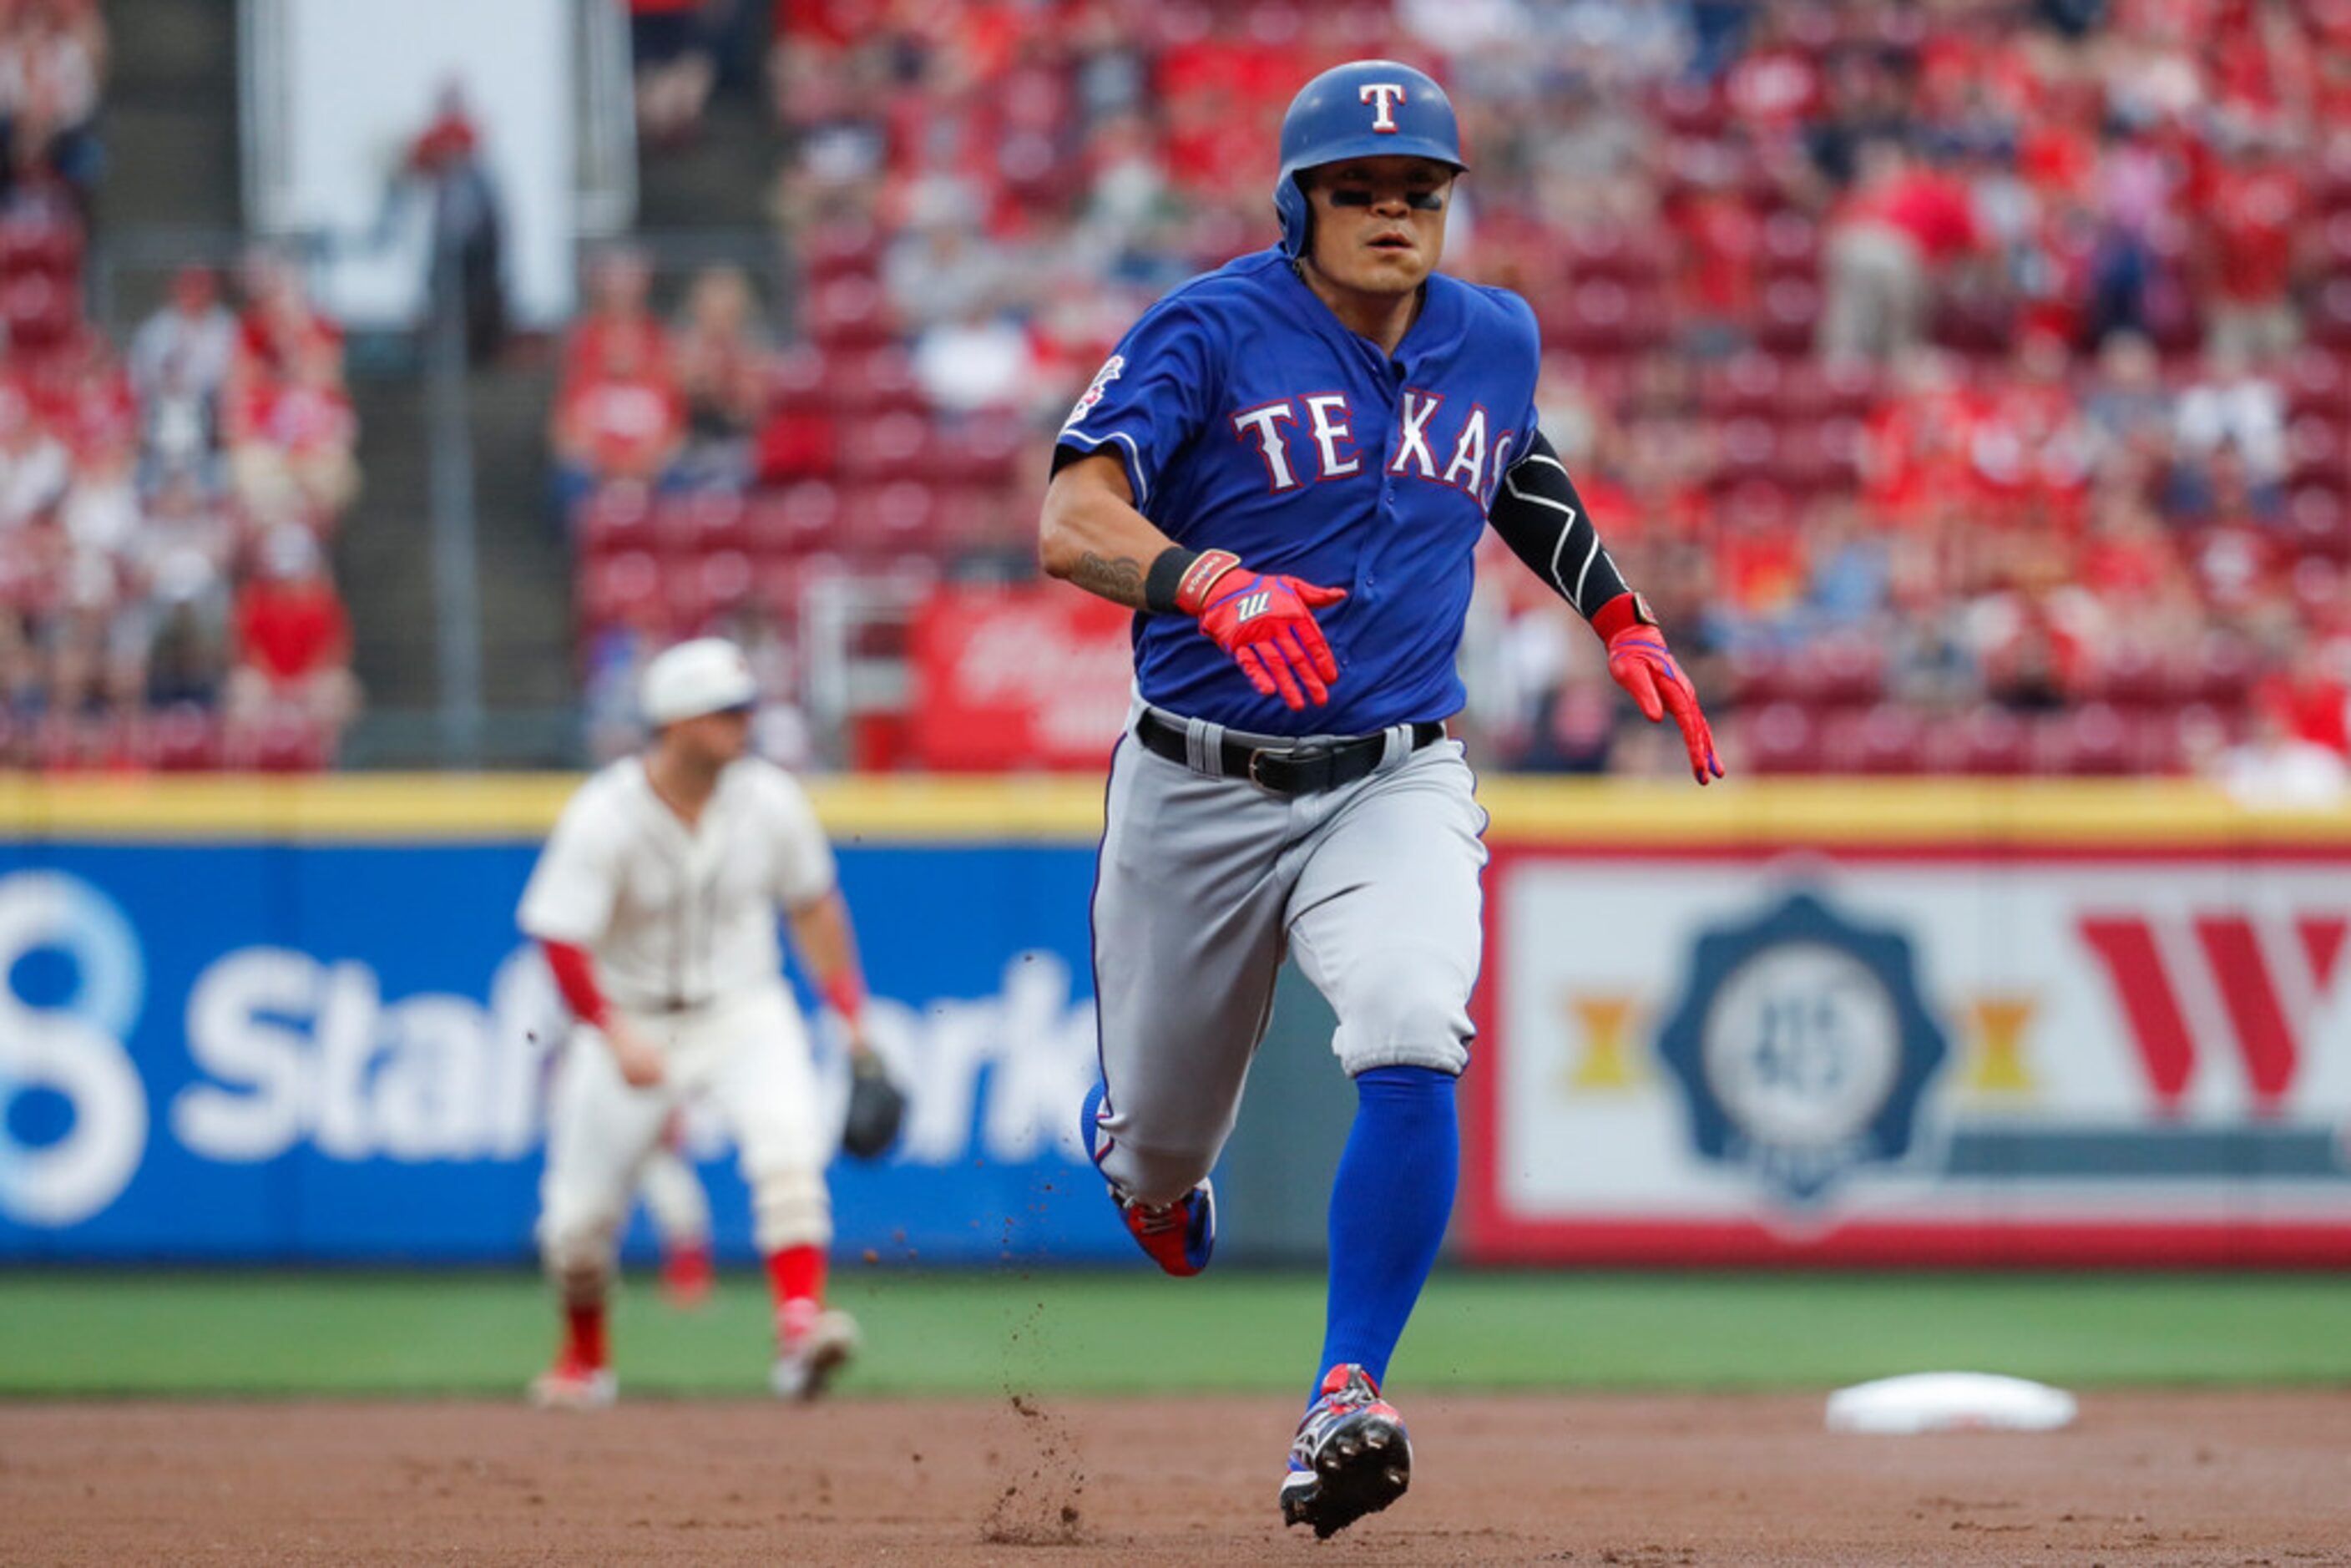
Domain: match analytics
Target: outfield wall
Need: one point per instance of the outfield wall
(1965, 1023)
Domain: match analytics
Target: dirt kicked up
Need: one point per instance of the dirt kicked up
(2144, 1478)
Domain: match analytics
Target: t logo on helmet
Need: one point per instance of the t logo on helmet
(1386, 95)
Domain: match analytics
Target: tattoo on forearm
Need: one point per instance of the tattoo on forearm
(1120, 580)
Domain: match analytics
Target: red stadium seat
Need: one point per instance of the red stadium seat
(626, 586)
(2318, 523)
(1691, 107)
(982, 452)
(1841, 672)
(699, 589)
(183, 739)
(2094, 740)
(2316, 382)
(1847, 390)
(896, 517)
(40, 312)
(800, 518)
(2317, 455)
(1991, 742)
(2225, 671)
(1792, 245)
(888, 447)
(697, 522)
(2329, 318)
(614, 519)
(1783, 737)
(41, 242)
(1750, 384)
(285, 742)
(848, 312)
(1746, 449)
(877, 381)
(2133, 677)
(1889, 739)
(1789, 315)
(849, 244)
(1760, 677)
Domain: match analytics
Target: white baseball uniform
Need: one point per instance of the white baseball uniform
(681, 923)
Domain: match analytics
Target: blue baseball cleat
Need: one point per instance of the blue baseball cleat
(1352, 1455)
(1177, 1235)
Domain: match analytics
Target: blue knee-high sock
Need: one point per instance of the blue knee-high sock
(1388, 1210)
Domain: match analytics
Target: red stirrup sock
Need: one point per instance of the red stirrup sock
(583, 1335)
(796, 1280)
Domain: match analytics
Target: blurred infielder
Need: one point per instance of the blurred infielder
(1286, 466)
(657, 901)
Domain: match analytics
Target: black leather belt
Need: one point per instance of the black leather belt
(1303, 768)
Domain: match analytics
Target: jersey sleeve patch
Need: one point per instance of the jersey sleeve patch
(1150, 397)
(1093, 392)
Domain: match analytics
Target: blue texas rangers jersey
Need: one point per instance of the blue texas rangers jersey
(1252, 419)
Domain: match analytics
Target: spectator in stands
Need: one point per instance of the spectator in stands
(670, 42)
(2247, 249)
(96, 646)
(2276, 769)
(50, 59)
(293, 643)
(184, 349)
(185, 552)
(101, 512)
(977, 362)
(180, 361)
(725, 359)
(292, 442)
(279, 323)
(1894, 236)
(2128, 408)
(34, 468)
(2029, 184)
(620, 285)
(624, 422)
(467, 259)
(2234, 404)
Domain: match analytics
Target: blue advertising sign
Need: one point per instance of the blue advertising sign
(294, 1051)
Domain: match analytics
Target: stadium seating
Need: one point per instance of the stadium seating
(1686, 308)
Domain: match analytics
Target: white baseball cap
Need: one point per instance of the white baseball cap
(709, 675)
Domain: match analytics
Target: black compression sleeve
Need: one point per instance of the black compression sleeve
(1542, 519)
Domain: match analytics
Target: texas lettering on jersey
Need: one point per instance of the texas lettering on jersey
(1249, 419)
(1473, 465)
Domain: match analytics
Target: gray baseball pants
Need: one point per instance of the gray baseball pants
(1205, 881)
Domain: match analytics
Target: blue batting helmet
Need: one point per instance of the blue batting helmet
(1365, 109)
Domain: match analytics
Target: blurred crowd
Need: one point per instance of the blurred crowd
(166, 599)
(1965, 381)
(164, 515)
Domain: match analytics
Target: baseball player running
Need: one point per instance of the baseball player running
(1285, 467)
(655, 900)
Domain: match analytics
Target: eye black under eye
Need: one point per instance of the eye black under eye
(1351, 197)
(1425, 201)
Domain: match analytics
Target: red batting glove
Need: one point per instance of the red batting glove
(1266, 621)
(1643, 664)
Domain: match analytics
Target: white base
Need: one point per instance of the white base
(1950, 1402)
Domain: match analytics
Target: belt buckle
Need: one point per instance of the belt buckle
(1309, 752)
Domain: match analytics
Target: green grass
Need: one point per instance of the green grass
(122, 1333)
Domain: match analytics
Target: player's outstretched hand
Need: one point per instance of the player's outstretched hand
(1643, 664)
(638, 1061)
(1266, 621)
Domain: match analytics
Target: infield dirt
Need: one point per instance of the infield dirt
(2144, 1478)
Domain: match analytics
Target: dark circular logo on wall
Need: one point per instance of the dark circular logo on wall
(1802, 1047)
